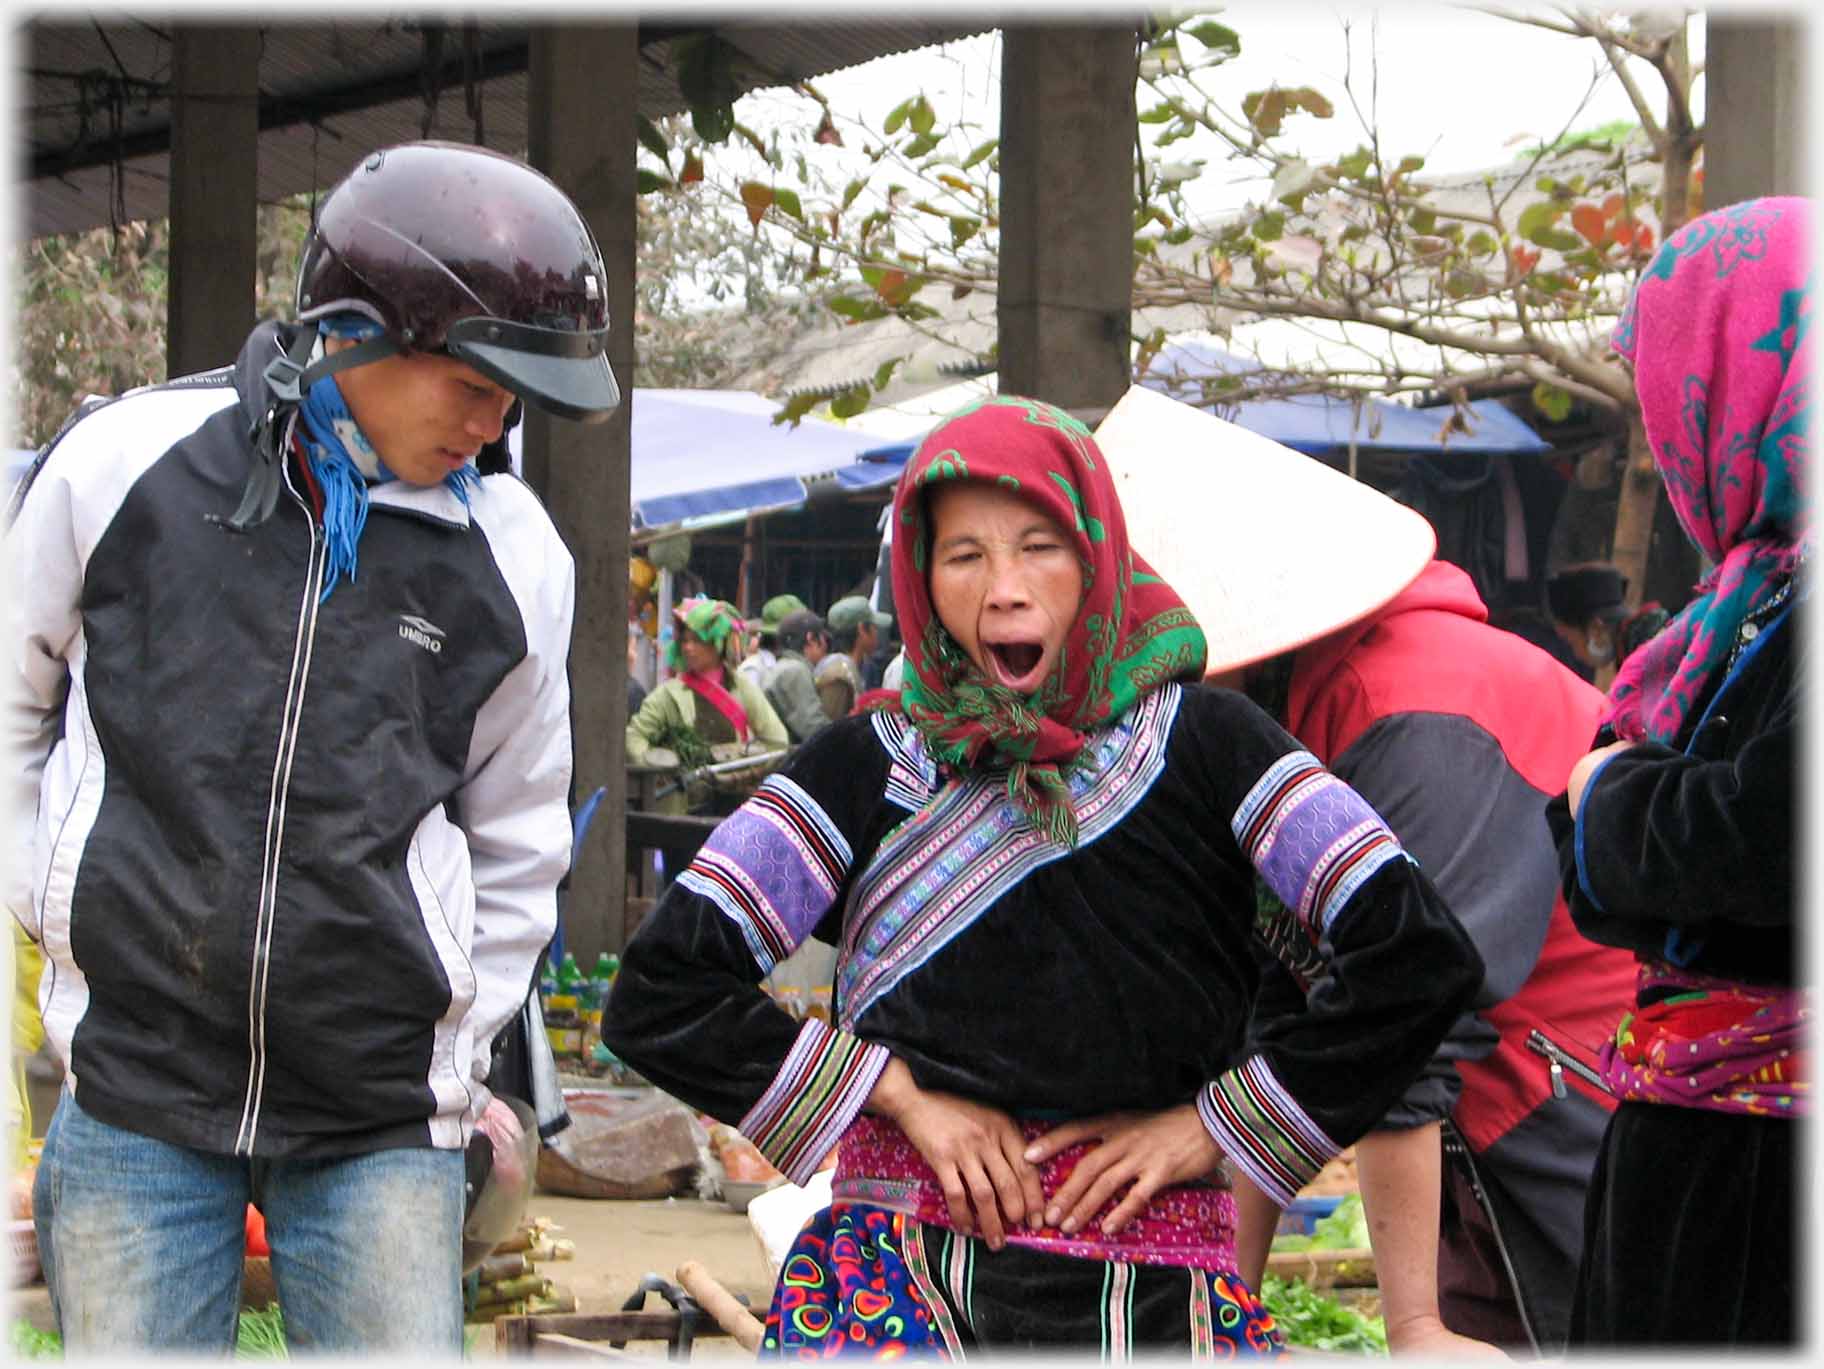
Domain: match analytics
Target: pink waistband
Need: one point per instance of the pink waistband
(1190, 1226)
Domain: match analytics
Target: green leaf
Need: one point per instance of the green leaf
(651, 139)
(1558, 239)
(854, 188)
(981, 151)
(787, 201)
(1408, 165)
(1481, 243)
(885, 373)
(1179, 235)
(1462, 282)
(963, 228)
(1536, 219)
(1355, 165)
(851, 401)
(921, 116)
(1268, 227)
(1423, 220)
(922, 144)
(1158, 114)
(796, 407)
(649, 181)
(713, 124)
(1551, 401)
(1217, 38)
(858, 310)
(896, 118)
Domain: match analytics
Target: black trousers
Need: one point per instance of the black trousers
(1689, 1231)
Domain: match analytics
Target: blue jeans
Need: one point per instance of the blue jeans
(142, 1243)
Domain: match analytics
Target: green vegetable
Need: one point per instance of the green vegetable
(261, 1335)
(30, 1343)
(1309, 1318)
(1344, 1229)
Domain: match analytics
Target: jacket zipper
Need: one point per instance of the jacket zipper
(1455, 1145)
(275, 819)
(1562, 1060)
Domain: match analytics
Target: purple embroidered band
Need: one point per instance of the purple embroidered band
(773, 868)
(1312, 838)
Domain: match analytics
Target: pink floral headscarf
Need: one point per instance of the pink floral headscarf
(1718, 330)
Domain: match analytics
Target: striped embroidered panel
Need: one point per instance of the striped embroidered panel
(945, 866)
(1313, 839)
(772, 867)
(1263, 1131)
(825, 1079)
(912, 774)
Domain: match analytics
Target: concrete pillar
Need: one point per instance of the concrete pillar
(215, 127)
(1067, 212)
(583, 81)
(1755, 112)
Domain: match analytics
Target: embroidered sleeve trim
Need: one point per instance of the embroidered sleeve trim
(1263, 1131)
(912, 774)
(811, 1101)
(1313, 839)
(772, 868)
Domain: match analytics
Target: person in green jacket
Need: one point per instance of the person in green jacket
(706, 710)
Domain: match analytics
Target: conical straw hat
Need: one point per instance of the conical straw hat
(1270, 548)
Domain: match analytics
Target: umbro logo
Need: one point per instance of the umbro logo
(421, 632)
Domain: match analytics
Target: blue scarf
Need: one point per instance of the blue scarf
(345, 463)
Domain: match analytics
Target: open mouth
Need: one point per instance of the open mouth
(1016, 664)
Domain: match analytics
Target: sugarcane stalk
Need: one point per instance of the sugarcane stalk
(498, 1267)
(508, 1290)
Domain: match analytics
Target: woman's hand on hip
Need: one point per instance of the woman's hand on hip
(976, 1151)
(1150, 1151)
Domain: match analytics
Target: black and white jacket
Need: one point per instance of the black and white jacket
(291, 862)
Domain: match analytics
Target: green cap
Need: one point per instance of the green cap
(774, 611)
(853, 612)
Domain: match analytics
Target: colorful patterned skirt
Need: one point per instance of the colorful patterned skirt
(861, 1280)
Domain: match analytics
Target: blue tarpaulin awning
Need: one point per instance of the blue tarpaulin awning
(702, 457)
(1319, 423)
(1306, 423)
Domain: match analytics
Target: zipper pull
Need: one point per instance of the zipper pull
(1558, 1089)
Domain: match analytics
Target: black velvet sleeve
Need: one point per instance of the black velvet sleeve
(1394, 967)
(687, 1011)
(1668, 839)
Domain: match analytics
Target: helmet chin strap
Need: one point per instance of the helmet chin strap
(287, 377)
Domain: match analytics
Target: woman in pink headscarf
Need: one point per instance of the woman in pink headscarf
(1676, 834)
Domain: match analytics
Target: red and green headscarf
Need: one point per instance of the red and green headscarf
(1132, 633)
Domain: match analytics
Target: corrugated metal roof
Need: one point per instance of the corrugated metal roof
(97, 88)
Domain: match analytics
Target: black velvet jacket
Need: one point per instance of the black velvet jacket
(1045, 981)
(1687, 853)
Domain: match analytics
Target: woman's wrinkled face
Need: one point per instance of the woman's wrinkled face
(1005, 580)
(700, 658)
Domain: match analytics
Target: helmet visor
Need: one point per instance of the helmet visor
(562, 372)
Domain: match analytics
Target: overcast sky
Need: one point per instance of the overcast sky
(1461, 88)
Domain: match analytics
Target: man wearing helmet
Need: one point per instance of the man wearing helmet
(292, 715)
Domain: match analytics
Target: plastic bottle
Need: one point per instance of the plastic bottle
(547, 985)
(563, 1020)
